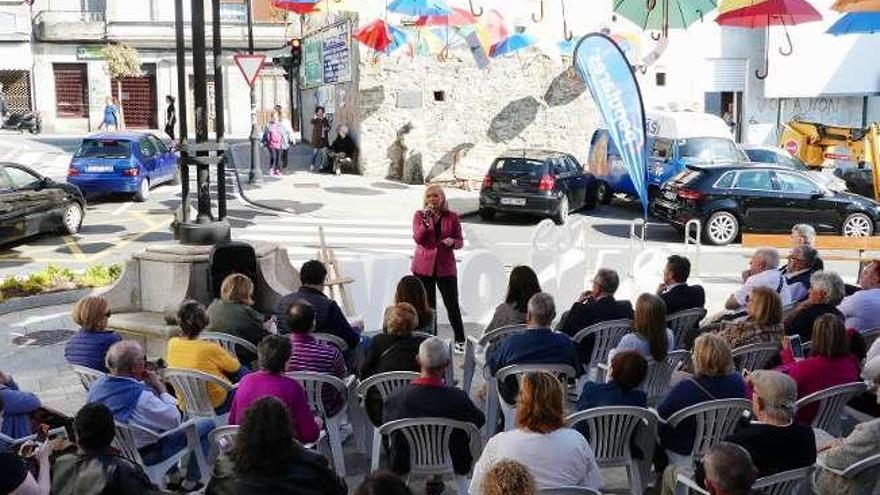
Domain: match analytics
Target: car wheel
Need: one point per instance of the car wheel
(72, 218)
(603, 193)
(562, 214)
(487, 214)
(858, 225)
(175, 179)
(143, 192)
(721, 228)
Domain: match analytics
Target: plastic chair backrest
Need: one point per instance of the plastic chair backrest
(87, 376)
(870, 336)
(611, 430)
(783, 483)
(715, 420)
(494, 335)
(222, 437)
(831, 402)
(682, 321)
(331, 339)
(562, 372)
(387, 384)
(124, 440)
(755, 356)
(656, 384)
(428, 440)
(568, 490)
(228, 342)
(192, 387)
(607, 335)
(314, 383)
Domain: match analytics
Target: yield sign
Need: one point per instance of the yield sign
(250, 66)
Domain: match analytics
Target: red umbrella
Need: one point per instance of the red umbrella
(301, 7)
(375, 35)
(760, 14)
(458, 17)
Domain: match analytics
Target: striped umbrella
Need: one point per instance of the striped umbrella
(663, 15)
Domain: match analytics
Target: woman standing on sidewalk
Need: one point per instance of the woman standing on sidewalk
(437, 232)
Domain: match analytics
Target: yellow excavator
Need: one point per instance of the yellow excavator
(816, 144)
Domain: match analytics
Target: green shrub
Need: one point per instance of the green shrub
(54, 278)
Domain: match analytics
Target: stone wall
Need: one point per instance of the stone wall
(429, 111)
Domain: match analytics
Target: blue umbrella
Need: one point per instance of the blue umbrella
(856, 23)
(419, 7)
(513, 43)
(398, 39)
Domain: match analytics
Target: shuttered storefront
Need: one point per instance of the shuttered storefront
(138, 99)
(17, 90)
(71, 90)
(725, 74)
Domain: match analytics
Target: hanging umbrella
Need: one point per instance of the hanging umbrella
(399, 39)
(300, 7)
(856, 6)
(856, 23)
(511, 44)
(458, 17)
(374, 35)
(763, 14)
(663, 15)
(419, 7)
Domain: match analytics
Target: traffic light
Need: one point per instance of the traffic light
(296, 52)
(286, 63)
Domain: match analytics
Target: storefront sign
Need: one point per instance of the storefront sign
(313, 64)
(327, 56)
(90, 53)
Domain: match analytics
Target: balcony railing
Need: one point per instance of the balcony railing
(64, 25)
(68, 16)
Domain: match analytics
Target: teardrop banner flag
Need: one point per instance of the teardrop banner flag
(611, 81)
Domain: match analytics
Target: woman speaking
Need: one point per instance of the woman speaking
(437, 232)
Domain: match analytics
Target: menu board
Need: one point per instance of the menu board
(327, 56)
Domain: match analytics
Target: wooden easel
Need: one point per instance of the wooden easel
(335, 284)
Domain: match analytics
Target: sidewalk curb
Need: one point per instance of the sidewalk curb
(43, 300)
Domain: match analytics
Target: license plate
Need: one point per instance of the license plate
(99, 168)
(513, 201)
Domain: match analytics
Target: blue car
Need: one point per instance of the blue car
(128, 163)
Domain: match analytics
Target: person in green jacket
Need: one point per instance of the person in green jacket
(233, 314)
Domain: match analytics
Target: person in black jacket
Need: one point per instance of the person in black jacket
(342, 150)
(826, 292)
(96, 468)
(430, 396)
(675, 291)
(266, 458)
(595, 306)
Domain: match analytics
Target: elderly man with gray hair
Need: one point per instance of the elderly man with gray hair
(826, 291)
(802, 264)
(763, 272)
(135, 395)
(430, 396)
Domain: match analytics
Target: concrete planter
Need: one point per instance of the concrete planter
(43, 300)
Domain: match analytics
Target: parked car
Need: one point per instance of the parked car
(32, 204)
(129, 163)
(781, 157)
(674, 139)
(536, 182)
(748, 197)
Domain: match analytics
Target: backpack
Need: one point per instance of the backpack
(274, 138)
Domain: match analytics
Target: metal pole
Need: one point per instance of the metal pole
(219, 107)
(256, 170)
(182, 108)
(200, 95)
(299, 107)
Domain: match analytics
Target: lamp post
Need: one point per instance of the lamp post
(256, 170)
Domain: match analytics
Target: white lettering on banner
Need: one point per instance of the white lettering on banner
(632, 137)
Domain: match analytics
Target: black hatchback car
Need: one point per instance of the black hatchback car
(32, 204)
(536, 182)
(746, 197)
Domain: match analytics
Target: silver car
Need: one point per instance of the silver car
(779, 156)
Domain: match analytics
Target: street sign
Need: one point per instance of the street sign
(250, 66)
(792, 146)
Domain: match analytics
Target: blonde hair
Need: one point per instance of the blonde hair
(237, 288)
(436, 188)
(402, 319)
(508, 477)
(539, 405)
(712, 356)
(766, 306)
(91, 313)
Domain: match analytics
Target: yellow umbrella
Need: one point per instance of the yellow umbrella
(856, 6)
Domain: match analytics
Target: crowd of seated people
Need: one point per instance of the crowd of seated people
(273, 450)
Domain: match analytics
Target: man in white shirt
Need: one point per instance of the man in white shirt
(862, 309)
(763, 272)
(136, 395)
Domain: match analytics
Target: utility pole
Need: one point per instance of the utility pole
(256, 170)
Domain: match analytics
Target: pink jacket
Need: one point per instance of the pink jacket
(818, 373)
(430, 251)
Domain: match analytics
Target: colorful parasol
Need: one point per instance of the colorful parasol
(399, 39)
(300, 7)
(856, 23)
(663, 15)
(419, 7)
(458, 17)
(374, 35)
(513, 43)
(856, 6)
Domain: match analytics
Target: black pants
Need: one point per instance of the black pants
(284, 154)
(449, 291)
(275, 159)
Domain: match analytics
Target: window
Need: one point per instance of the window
(106, 148)
(22, 179)
(796, 184)
(71, 90)
(661, 149)
(761, 156)
(708, 149)
(754, 180)
(233, 12)
(572, 165)
(439, 95)
(5, 183)
(520, 166)
(726, 181)
(148, 149)
(660, 79)
(160, 146)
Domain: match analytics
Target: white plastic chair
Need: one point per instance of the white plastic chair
(606, 337)
(229, 342)
(314, 384)
(87, 376)
(474, 359)
(682, 321)
(656, 384)
(14, 443)
(784, 483)
(831, 403)
(192, 387)
(221, 439)
(851, 471)
(563, 373)
(612, 431)
(337, 341)
(753, 357)
(387, 384)
(428, 440)
(714, 420)
(568, 490)
(870, 336)
(125, 442)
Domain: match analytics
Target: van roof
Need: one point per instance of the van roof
(531, 153)
(683, 125)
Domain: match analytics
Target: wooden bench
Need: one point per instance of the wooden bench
(861, 245)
